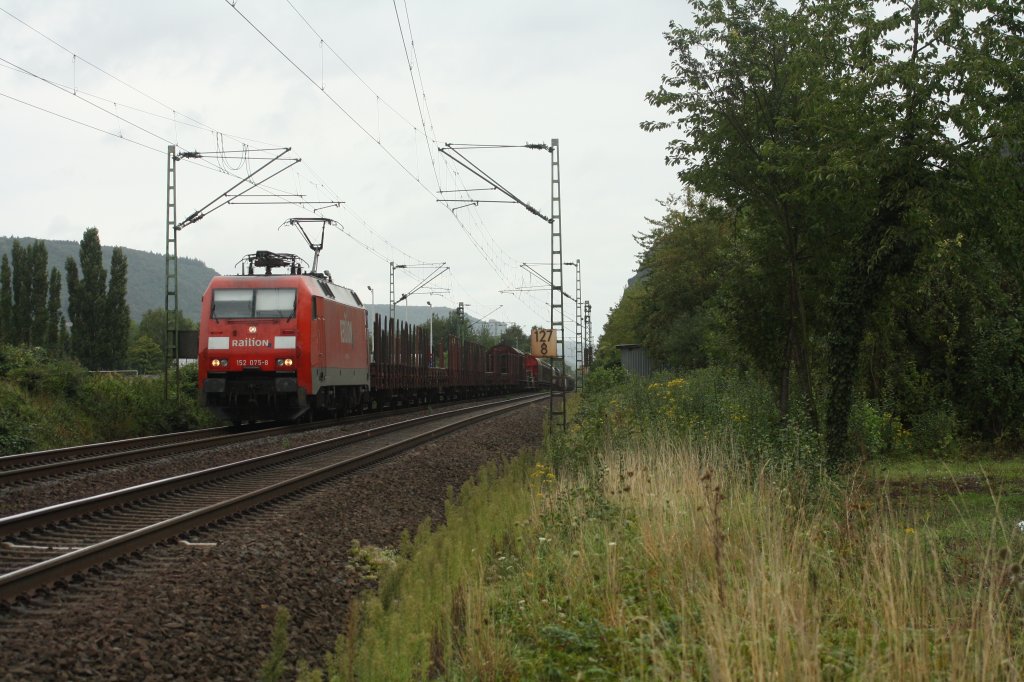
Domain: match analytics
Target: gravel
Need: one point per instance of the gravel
(205, 611)
(38, 493)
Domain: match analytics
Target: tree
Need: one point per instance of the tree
(625, 324)
(54, 317)
(38, 299)
(685, 256)
(88, 304)
(450, 326)
(747, 82)
(117, 313)
(71, 273)
(942, 105)
(6, 301)
(850, 139)
(513, 335)
(145, 355)
(21, 287)
(28, 293)
(63, 337)
(154, 325)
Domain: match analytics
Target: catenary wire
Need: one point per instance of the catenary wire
(469, 233)
(218, 135)
(81, 123)
(192, 122)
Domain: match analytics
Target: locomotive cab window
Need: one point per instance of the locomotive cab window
(228, 303)
(248, 303)
(275, 303)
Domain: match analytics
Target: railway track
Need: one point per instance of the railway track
(44, 546)
(31, 466)
(45, 463)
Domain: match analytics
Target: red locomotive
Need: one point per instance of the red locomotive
(280, 346)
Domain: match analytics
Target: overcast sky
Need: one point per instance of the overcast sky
(195, 73)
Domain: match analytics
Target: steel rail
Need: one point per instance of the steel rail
(65, 466)
(25, 459)
(24, 580)
(20, 468)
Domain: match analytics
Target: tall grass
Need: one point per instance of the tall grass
(672, 554)
(403, 635)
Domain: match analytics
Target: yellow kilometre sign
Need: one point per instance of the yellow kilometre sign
(543, 343)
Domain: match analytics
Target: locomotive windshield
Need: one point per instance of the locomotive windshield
(248, 303)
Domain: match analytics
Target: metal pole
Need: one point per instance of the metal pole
(171, 276)
(588, 348)
(578, 350)
(391, 298)
(369, 335)
(557, 308)
(430, 355)
(579, 317)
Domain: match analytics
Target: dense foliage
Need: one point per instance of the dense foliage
(101, 335)
(454, 325)
(100, 320)
(49, 401)
(27, 311)
(852, 215)
(154, 325)
(146, 275)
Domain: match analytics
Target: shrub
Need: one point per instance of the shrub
(935, 432)
(601, 379)
(40, 372)
(17, 423)
(875, 432)
(49, 401)
(135, 406)
(711, 405)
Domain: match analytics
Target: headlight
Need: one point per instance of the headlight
(218, 362)
(285, 362)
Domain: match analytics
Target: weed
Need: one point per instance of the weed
(683, 530)
(274, 666)
(369, 562)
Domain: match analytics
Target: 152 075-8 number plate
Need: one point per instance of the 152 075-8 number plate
(252, 363)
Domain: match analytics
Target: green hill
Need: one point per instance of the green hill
(145, 275)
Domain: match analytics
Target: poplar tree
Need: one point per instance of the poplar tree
(93, 294)
(38, 300)
(87, 303)
(21, 287)
(54, 317)
(27, 316)
(6, 301)
(117, 313)
(99, 316)
(63, 336)
(72, 344)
